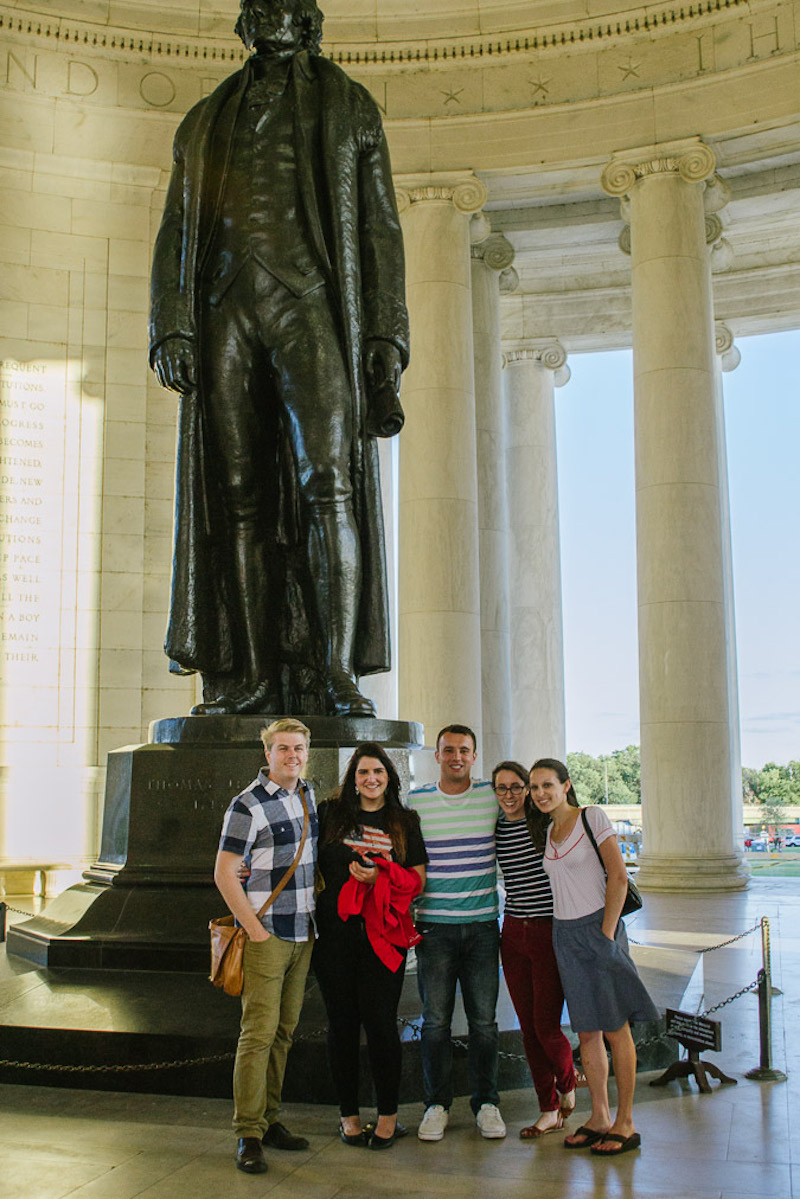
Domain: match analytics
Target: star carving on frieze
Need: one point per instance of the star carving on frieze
(629, 68)
(540, 85)
(451, 97)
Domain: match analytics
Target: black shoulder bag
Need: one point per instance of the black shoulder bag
(633, 900)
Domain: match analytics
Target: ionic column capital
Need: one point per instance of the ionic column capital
(690, 158)
(727, 351)
(722, 256)
(544, 351)
(465, 191)
(722, 251)
(480, 227)
(496, 252)
(716, 195)
(509, 281)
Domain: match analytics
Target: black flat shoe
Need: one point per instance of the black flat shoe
(377, 1142)
(278, 1136)
(358, 1139)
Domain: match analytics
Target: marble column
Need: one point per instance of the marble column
(490, 256)
(439, 650)
(690, 839)
(532, 370)
(727, 359)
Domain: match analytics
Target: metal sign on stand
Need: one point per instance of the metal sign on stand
(695, 1033)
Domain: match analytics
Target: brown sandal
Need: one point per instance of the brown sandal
(531, 1132)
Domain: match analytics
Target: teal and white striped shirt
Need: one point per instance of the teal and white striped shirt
(461, 882)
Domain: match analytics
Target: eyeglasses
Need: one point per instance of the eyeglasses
(516, 789)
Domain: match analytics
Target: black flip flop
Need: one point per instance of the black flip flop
(625, 1144)
(591, 1138)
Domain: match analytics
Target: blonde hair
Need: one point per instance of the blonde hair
(287, 725)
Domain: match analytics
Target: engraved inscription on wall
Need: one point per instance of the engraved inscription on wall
(38, 544)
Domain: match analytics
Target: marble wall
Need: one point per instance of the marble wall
(90, 461)
(89, 100)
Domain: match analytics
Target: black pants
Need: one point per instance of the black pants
(273, 369)
(359, 991)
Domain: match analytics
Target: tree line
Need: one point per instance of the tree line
(616, 778)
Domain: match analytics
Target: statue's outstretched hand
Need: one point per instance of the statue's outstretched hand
(383, 368)
(175, 365)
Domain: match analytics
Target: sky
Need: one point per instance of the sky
(594, 421)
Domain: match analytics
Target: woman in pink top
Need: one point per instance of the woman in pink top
(601, 984)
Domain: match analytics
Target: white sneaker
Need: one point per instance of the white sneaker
(434, 1122)
(490, 1122)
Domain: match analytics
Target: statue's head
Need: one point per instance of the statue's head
(280, 27)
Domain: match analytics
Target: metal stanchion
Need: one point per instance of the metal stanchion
(765, 1071)
(3, 909)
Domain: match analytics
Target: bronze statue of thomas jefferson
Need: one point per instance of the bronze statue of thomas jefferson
(278, 313)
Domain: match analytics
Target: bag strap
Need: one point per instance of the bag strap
(590, 835)
(297, 857)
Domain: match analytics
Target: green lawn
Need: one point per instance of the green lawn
(774, 866)
(783, 865)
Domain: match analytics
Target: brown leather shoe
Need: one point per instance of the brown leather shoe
(249, 1156)
(278, 1136)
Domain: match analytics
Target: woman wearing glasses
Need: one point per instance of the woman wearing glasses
(529, 963)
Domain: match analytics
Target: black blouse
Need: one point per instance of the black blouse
(370, 837)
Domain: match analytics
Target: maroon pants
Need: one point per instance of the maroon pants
(531, 974)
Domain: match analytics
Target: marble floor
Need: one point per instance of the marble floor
(731, 1144)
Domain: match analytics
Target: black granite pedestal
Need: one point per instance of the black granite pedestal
(146, 903)
(106, 988)
(175, 1034)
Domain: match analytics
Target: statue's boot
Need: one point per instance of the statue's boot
(260, 692)
(335, 561)
(261, 700)
(344, 698)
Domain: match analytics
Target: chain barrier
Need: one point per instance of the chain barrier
(721, 945)
(129, 1069)
(404, 1024)
(753, 986)
(730, 941)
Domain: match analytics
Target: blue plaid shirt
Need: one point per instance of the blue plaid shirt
(264, 824)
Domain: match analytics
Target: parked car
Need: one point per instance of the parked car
(792, 841)
(758, 845)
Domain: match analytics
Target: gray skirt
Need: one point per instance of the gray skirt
(601, 984)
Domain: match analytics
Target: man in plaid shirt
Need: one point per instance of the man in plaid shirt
(264, 825)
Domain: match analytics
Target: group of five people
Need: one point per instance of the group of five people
(349, 875)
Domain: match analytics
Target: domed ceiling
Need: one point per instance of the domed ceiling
(534, 97)
(388, 21)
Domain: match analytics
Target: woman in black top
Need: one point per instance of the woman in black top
(526, 947)
(364, 821)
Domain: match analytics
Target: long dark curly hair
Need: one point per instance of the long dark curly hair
(345, 807)
(538, 821)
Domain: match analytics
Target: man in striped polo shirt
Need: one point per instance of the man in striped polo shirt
(457, 916)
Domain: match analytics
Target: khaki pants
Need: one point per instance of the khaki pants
(274, 985)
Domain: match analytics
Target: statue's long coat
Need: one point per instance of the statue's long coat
(347, 195)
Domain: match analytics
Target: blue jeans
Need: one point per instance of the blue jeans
(468, 954)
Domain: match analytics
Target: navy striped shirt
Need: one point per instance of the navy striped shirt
(527, 886)
(264, 824)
